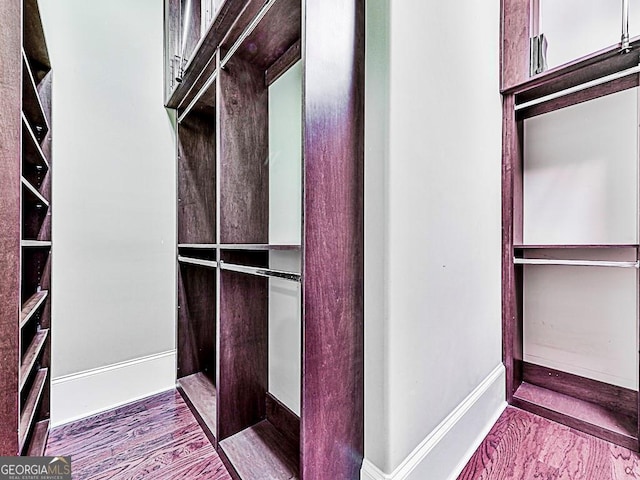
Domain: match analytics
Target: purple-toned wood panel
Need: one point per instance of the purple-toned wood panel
(196, 321)
(609, 396)
(10, 152)
(333, 241)
(511, 226)
(514, 51)
(287, 422)
(243, 347)
(278, 31)
(196, 180)
(244, 149)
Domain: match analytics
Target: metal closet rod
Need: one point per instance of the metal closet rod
(198, 261)
(247, 31)
(624, 39)
(578, 88)
(260, 272)
(575, 263)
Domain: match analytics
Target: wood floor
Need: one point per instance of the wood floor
(524, 446)
(156, 438)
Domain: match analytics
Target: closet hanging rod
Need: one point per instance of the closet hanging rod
(575, 263)
(261, 272)
(624, 39)
(199, 95)
(578, 88)
(247, 31)
(198, 261)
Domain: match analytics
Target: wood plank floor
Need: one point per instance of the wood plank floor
(524, 446)
(157, 438)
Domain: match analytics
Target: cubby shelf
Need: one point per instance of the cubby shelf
(200, 393)
(33, 196)
(198, 261)
(39, 437)
(261, 451)
(31, 103)
(32, 152)
(31, 355)
(30, 407)
(35, 243)
(31, 306)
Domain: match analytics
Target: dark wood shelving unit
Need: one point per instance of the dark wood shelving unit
(25, 240)
(224, 245)
(598, 408)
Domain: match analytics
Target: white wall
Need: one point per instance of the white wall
(114, 197)
(285, 206)
(434, 380)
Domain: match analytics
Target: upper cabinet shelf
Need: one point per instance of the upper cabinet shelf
(543, 53)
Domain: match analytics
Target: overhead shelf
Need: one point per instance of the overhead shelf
(31, 306)
(31, 355)
(33, 195)
(35, 243)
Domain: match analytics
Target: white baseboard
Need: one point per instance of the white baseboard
(448, 448)
(93, 391)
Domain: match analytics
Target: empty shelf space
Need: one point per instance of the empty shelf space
(32, 195)
(259, 246)
(31, 104)
(38, 441)
(198, 261)
(31, 355)
(261, 452)
(33, 38)
(35, 243)
(200, 393)
(261, 271)
(574, 412)
(32, 152)
(32, 305)
(30, 407)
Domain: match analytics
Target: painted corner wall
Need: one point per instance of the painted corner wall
(434, 375)
(114, 205)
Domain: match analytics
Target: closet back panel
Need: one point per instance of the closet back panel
(581, 173)
(196, 179)
(243, 352)
(583, 320)
(196, 321)
(244, 151)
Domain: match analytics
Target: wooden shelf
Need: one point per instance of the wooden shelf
(32, 152)
(200, 394)
(31, 355)
(31, 104)
(39, 438)
(35, 243)
(262, 452)
(577, 413)
(31, 406)
(33, 195)
(259, 246)
(31, 306)
(200, 246)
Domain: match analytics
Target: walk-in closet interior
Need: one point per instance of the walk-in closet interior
(570, 213)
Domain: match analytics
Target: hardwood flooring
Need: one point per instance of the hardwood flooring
(523, 446)
(157, 438)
